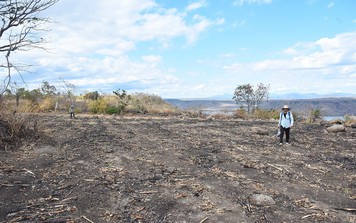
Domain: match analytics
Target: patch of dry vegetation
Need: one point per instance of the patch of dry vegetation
(101, 104)
(14, 129)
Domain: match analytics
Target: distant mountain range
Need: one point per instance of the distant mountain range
(311, 96)
(286, 96)
(333, 106)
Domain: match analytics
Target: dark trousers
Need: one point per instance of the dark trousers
(287, 130)
(72, 115)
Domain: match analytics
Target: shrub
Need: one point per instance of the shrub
(98, 106)
(46, 105)
(13, 128)
(349, 119)
(112, 110)
(150, 104)
(314, 115)
(240, 113)
(266, 114)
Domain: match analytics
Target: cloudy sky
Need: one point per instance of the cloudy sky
(198, 48)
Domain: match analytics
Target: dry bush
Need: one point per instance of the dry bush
(266, 114)
(240, 114)
(314, 115)
(47, 104)
(146, 103)
(13, 128)
(349, 119)
(98, 106)
(221, 116)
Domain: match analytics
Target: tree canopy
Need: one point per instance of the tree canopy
(251, 96)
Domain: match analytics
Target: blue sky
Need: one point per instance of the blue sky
(198, 48)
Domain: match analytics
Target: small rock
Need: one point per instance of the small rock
(336, 128)
(109, 150)
(326, 124)
(81, 162)
(262, 200)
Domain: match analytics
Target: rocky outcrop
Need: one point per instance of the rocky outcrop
(336, 128)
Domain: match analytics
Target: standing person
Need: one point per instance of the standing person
(285, 123)
(71, 111)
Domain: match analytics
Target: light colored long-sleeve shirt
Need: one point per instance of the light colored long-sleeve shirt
(286, 121)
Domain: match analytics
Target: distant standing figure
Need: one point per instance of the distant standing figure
(71, 111)
(285, 123)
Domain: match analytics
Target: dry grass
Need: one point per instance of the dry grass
(349, 119)
(266, 114)
(12, 128)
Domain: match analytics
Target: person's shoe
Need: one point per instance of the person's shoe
(287, 143)
(280, 144)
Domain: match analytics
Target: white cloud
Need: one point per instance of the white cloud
(320, 66)
(196, 5)
(202, 24)
(90, 42)
(153, 60)
(242, 2)
(330, 5)
(119, 25)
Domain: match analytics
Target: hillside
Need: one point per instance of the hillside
(177, 169)
(328, 106)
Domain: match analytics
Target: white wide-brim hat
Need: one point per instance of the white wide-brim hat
(286, 106)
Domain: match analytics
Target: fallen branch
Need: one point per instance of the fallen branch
(67, 200)
(280, 169)
(346, 209)
(148, 192)
(30, 172)
(7, 185)
(205, 219)
(87, 219)
(311, 215)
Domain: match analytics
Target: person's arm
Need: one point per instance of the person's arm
(280, 120)
(291, 120)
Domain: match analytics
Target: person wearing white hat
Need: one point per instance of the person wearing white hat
(71, 111)
(285, 123)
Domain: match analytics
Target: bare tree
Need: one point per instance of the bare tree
(69, 90)
(20, 24)
(251, 96)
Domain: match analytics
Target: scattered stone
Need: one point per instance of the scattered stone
(326, 124)
(353, 126)
(262, 200)
(336, 128)
(81, 162)
(337, 122)
(109, 150)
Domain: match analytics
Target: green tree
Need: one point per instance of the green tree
(92, 96)
(251, 96)
(33, 96)
(123, 99)
(48, 90)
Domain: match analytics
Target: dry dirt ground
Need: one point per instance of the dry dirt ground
(178, 169)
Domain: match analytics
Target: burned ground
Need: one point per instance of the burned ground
(178, 169)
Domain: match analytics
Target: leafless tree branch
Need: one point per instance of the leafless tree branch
(20, 24)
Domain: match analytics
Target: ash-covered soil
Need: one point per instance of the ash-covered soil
(178, 169)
